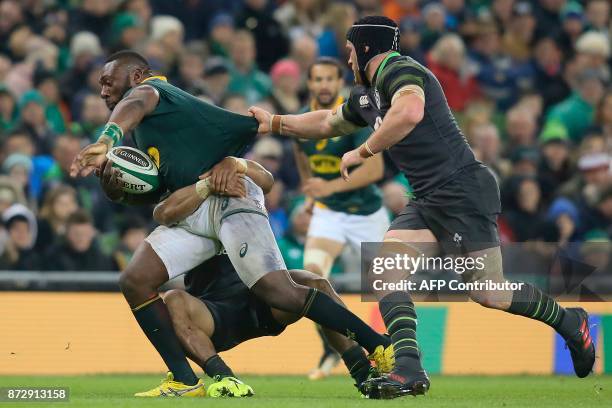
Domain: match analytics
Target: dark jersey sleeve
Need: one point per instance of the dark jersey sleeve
(398, 74)
(350, 108)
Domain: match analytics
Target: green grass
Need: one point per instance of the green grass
(286, 392)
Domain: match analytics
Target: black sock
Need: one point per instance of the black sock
(357, 363)
(155, 322)
(398, 313)
(321, 309)
(215, 366)
(530, 302)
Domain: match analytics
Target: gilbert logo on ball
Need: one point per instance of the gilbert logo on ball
(137, 172)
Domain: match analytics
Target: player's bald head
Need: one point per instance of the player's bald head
(129, 58)
(123, 70)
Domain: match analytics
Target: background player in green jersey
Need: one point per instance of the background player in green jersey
(457, 197)
(191, 136)
(344, 212)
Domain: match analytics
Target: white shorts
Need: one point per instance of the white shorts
(240, 225)
(346, 228)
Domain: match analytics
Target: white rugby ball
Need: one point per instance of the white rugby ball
(138, 173)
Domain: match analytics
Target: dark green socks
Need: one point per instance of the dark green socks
(155, 322)
(532, 303)
(398, 313)
(357, 363)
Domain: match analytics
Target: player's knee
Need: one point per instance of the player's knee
(321, 284)
(280, 292)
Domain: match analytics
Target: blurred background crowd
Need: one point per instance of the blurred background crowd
(528, 80)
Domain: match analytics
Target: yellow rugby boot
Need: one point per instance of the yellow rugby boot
(171, 388)
(229, 387)
(384, 358)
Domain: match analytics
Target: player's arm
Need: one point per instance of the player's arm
(404, 87)
(128, 113)
(186, 200)
(320, 124)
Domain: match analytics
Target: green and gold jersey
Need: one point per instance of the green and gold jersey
(186, 136)
(325, 156)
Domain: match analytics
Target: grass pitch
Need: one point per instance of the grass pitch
(287, 392)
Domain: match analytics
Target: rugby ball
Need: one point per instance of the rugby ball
(138, 173)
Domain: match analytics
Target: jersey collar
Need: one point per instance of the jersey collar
(315, 106)
(160, 77)
(383, 64)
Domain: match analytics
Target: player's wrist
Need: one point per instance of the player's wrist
(276, 124)
(241, 165)
(111, 134)
(365, 151)
(203, 188)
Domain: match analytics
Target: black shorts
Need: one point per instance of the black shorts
(239, 318)
(462, 214)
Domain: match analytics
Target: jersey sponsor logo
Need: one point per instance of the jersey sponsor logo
(457, 238)
(325, 163)
(154, 155)
(243, 249)
(224, 203)
(363, 101)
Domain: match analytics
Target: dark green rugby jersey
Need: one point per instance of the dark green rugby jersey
(325, 156)
(436, 150)
(187, 136)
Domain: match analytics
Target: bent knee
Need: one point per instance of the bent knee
(175, 298)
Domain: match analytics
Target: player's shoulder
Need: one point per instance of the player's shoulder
(399, 66)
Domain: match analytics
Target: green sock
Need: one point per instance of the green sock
(155, 322)
(530, 302)
(216, 367)
(398, 313)
(357, 363)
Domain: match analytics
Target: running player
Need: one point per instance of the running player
(457, 198)
(186, 137)
(344, 212)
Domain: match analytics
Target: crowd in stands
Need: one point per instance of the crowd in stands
(528, 80)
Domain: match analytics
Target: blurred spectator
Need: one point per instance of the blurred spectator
(501, 78)
(132, 232)
(276, 212)
(84, 49)
(127, 31)
(486, 144)
(93, 116)
(292, 244)
(548, 17)
(95, 16)
(594, 176)
(593, 52)
(521, 128)
(268, 35)
(577, 112)
(604, 118)
(221, 34)
(20, 225)
(56, 111)
(598, 15)
(285, 75)
(518, 37)
(8, 109)
(434, 19)
(448, 63)
(79, 250)
(555, 165)
(410, 40)
(216, 79)
(59, 203)
(235, 103)
(18, 167)
(10, 17)
(34, 122)
(191, 69)
(548, 75)
(565, 215)
(336, 22)
(368, 7)
(304, 51)
(299, 17)
(246, 79)
(168, 32)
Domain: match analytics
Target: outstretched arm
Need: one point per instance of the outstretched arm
(320, 124)
(125, 116)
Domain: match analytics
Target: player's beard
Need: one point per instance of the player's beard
(326, 100)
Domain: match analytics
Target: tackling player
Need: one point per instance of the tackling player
(344, 212)
(186, 137)
(218, 311)
(457, 198)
